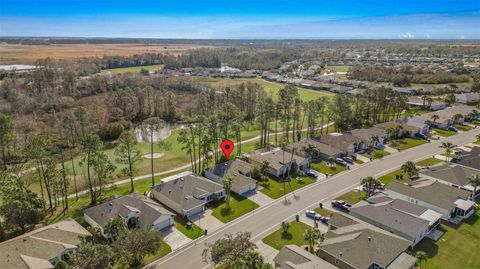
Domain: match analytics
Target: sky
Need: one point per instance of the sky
(250, 19)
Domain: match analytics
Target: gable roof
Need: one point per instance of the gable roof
(33, 250)
(277, 158)
(437, 194)
(295, 257)
(470, 159)
(366, 134)
(360, 245)
(455, 174)
(237, 169)
(185, 190)
(299, 147)
(149, 210)
(341, 140)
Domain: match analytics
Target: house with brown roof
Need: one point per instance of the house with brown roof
(346, 142)
(280, 161)
(406, 130)
(42, 248)
(323, 151)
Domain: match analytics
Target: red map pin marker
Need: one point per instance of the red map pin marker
(227, 147)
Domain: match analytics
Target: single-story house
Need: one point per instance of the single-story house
(43, 247)
(346, 142)
(467, 98)
(323, 151)
(340, 89)
(470, 159)
(453, 175)
(135, 209)
(449, 201)
(280, 161)
(367, 134)
(352, 244)
(239, 170)
(388, 218)
(417, 122)
(188, 194)
(295, 257)
(445, 116)
(415, 101)
(406, 129)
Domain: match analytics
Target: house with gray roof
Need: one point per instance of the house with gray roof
(417, 122)
(449, 201)
(280, 161)
(470, 159)
(135, 209)
(239, 170)
(323, 152)
(367, 134)
(187, 194)
(42, 248)
(453, 175)
(346, 142)
(295, 257)
(353, 244)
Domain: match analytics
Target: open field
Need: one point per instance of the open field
(27, 54)
(136, 69)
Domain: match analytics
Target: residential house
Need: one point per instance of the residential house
(449, 201)
(470, 159)
(187, 194)
(467, 98)
(398, 222)
(295, 257)
(323, 151)
(239, 170)
(406, 130)
(417, 122)
(415, 101)
(136, 210)
(367, 134)
(453, 175)
(42, 248)
(352, 244)
(280, 161)
(340, 89)
(445, 116)
(346, 142)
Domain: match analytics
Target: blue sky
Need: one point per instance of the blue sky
(323, 19)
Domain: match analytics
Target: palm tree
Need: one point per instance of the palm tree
(331, 160)
(424, 99)
(429, 102)
(448, 148)
(421, 256)
(374, 139)
(371, 185)
(456, 118)
(311, 151)
(285, 227)
(253, 259)
(227, 185)
(410, 169)
(474, 181)
(264, 169)
(312, 235)
(435, 117)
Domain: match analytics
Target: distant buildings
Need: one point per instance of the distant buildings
(467, 98)
(42, 248)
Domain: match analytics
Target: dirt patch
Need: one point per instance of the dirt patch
(156, 155)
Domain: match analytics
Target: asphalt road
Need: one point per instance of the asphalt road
(266, 219)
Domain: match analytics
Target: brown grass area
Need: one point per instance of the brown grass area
(27, 54)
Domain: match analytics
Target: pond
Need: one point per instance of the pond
(142, 133)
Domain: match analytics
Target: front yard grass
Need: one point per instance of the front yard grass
(456, 248)
(193, 232)
(239, 206)
(278, 239)
(463, 127)
(274, 189)
(357, 161)
(406, 143)
(428, 162)
(352, 197)
(443, 132)
(163, 250)
(385, 179)
(325, 168)
(376, 154)
(323, 211)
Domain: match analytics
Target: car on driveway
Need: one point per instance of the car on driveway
(324, 219)
(422, 136)
(313, 215)
(311, 173)
(348, 159)
(341, 161)
(340, 204)
(453, 129)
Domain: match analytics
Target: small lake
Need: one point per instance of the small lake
(142, 133)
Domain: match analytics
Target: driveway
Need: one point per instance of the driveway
(207, 221)
(259, 197)
(174, 238)
(266, 251)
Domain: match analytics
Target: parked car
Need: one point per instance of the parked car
(341, 205)
(422, 136)
(348, 159)
(453, 129)
(313, 215)
(341, 161)
(324, 219)
(311, 173)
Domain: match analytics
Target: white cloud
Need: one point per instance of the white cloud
(428, 36)
(408, 35)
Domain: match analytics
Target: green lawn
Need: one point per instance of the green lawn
(162, 251)
(324, 168)
(357, 161)
(463, 127)
(477, 142)
(385, 179)
(239, 206)
(278, 239)
(135, 69)
(274, 189)
(443, 132)
(376, 154)
(193, 232)
(428, 162)
(338, 68)
(352, 197)
(457, 248)
(323, 211)
(406, 143)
